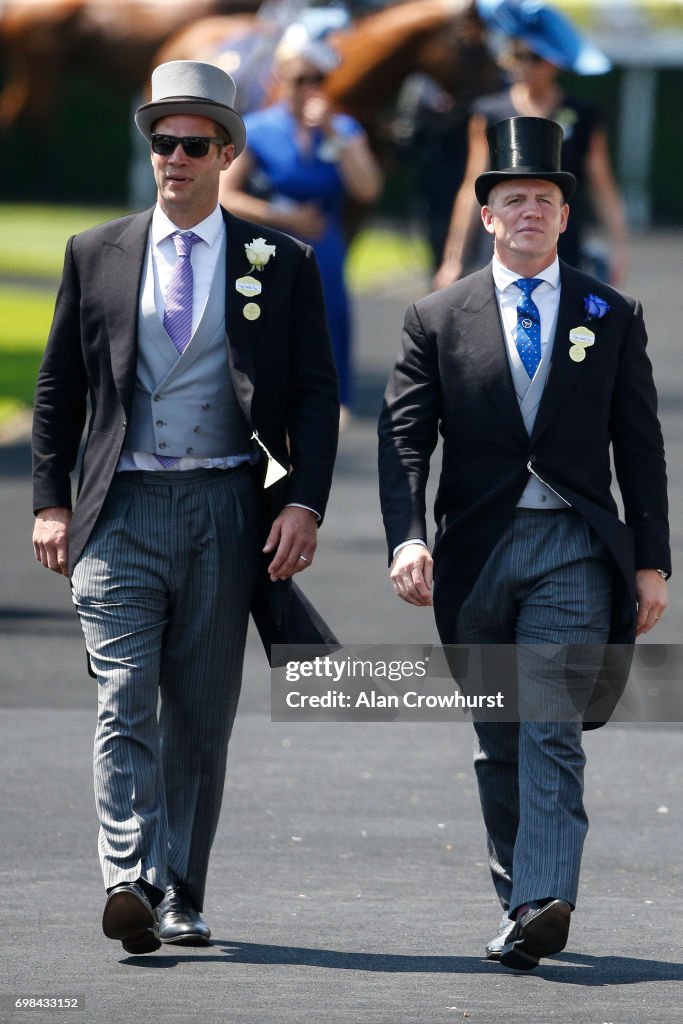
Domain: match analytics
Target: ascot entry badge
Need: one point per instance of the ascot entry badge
(581, 339)
(582, 336)
(252, 311)
(248, 286)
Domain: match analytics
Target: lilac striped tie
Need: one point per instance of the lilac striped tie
(178, 311)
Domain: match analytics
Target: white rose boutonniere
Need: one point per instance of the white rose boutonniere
(258, 252)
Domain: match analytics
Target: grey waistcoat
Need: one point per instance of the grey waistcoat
(536, 494)
(185, 405)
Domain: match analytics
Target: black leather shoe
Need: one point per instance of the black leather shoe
(494, 947)
(128, 916)
(179, 922)
(542, 931)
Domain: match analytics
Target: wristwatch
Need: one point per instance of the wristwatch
(663, 573)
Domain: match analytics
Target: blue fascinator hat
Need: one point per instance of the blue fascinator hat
(546, 32)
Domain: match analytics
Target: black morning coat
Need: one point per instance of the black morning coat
(282, 369)
(454, 377)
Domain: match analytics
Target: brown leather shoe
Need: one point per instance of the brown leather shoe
(179, 921)
(541, 931)
(128, 916)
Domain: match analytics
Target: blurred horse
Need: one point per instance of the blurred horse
(442, 38)
(44, 39)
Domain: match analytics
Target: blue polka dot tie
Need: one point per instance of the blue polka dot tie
(528, 336)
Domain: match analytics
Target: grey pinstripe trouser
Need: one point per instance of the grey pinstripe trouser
(163, 591)
(547, 581)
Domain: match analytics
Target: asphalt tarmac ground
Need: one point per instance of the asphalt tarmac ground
(348, 880)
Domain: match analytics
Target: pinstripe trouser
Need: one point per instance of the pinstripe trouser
(548, 581)
(163, 591)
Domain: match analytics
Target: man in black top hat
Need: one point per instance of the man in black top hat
(532, 372)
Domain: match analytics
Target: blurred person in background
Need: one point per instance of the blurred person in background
(301, 163)
(541, 43)
(430, 130)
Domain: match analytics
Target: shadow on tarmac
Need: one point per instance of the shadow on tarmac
(570, 968)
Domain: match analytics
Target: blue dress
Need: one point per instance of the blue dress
(284, 174)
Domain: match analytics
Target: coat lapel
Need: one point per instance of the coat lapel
(121, 276)
(242, 334)
(481, 331)
(564, 373)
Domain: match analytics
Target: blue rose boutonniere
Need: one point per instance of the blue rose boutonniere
(595, 307)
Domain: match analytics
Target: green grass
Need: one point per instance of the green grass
(10, 407)
(33, 237)
(33, 240)
(24, 324)
(379, 255)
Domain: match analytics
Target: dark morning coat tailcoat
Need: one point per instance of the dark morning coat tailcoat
(282, 369)
(453, 377)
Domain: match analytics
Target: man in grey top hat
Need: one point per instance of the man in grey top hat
(200, 343)
(532, 372)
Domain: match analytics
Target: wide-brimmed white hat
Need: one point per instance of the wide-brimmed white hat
(193, 87)
(297, 41)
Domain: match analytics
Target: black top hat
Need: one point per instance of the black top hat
(524, 147)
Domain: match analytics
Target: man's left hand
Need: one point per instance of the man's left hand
(293, 537)
(652, 599)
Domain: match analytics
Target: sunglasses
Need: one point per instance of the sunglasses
(312, 79)
(525, 57)
(195, 146)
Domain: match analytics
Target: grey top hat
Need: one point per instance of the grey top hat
(525, 147)
(192, 87)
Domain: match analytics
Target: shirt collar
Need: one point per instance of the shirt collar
(504, 277)
(209, 229)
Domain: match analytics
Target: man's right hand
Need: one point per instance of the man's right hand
(412, 573)
(51, 538)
